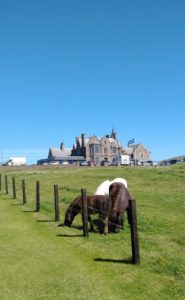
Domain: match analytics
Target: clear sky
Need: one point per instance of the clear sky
(85, 66)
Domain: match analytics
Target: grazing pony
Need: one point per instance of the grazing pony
(120, 197)
(103, 188)
(96, 204)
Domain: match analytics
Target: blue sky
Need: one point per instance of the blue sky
(74, 66)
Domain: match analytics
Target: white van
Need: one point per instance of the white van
(121, 160)
(16, 161)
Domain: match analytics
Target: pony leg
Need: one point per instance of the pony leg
(91, 223)
(105, 224)
(106, 227)
(128, 215)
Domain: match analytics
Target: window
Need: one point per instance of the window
(114, 150)
(105, 150)
(94, 149)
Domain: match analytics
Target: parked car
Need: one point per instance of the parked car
(84, 163)
(135, 162)
(53, 163)
(150, 163)
(64, 163)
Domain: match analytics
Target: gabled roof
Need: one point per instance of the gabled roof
(128, 150)
(93, 139)
(58, 153)
(135, 146)
(112, 140)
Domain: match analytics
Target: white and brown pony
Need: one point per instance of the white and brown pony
(120, 197)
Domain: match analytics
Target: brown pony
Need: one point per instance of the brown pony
(96, 204)
(120, 197)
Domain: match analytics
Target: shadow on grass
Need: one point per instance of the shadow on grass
(16, 204)
(72, 226)
(95, 231)
(70, 235)
(47, 221)
(118, 261)
(29, 211)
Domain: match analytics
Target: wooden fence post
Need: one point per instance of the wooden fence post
(84, 213)
(14, 187)
(6, 184)
(23, 192)
(0, 182)
(56, 199)
(134, 232)
(37, 196)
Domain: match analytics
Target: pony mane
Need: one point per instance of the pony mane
(103, 188)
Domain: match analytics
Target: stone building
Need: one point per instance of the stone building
(96, 150)
(139, 152)
(107, 148)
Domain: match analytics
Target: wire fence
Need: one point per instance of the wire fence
(38, 195)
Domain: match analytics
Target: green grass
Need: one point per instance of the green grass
(40, 260)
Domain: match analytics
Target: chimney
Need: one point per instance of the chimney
(62, 147)
(83, 139)
(83, 145)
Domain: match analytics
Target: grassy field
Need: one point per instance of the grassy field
(40, 260)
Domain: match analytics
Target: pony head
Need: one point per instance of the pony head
(69, 216)
(115, 221)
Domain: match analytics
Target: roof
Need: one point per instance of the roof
(134, 146)
(76, 158)
(61, 159)
(128, 150)
(112, 140)
(56, 152)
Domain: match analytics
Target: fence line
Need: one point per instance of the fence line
(37, 196)
(6, 184)
(19, 187)
(84, 213)
(132, 215)
(23, 192)
(14, 187)
(56, 201)
(134, 232)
